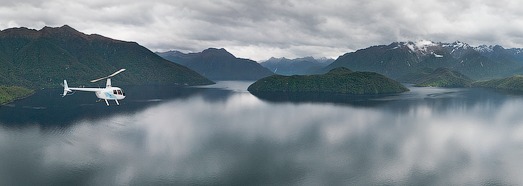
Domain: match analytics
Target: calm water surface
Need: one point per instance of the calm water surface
(222, 134)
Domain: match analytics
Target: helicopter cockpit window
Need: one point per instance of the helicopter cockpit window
(114, 92)
(119, 92)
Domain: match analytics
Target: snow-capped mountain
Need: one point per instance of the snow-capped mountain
(403, 60)
(517, 53)
(484, 48)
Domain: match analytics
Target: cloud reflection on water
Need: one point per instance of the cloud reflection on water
(241, 139)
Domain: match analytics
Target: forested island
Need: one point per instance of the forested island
(339, 80)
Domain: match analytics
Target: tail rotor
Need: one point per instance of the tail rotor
(66, 88)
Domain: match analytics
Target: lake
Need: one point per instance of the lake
(221, 134)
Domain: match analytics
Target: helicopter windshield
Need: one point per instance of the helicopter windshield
(118, 92)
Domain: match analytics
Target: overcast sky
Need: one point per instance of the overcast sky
(258, 29)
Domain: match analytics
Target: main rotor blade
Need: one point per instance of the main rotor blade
(117, 72)
(92, 81)
(114, 74)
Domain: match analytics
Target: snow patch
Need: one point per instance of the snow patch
(419, 46)
(484, 48)
(411, 47)
(424, 43)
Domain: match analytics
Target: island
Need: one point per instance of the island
(444, 77)
(11, 93)
(338, 81)
(513, 83)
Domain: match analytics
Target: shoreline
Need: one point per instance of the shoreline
(32, 92)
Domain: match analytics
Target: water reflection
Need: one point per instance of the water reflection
(429, 136)
(352, 100)
(48, 109)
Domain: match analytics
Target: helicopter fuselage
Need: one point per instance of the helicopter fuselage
(111, 93)
(107, 93)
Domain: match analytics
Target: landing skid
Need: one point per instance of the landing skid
(107, 102)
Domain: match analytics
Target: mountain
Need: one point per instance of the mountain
(44, 58)
(298, 66)
(444, 77)
(338, 80)
(513, 83)
(218, 64)
(408, 61)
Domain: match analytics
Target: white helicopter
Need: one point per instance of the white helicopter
(107, 93)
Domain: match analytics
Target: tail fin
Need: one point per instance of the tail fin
(66, 88)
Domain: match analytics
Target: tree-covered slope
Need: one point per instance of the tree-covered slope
(339, 80)
(44, 58)
(444, 77)
(514, 83)
(11, 93)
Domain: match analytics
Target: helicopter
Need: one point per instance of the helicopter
(107, 93)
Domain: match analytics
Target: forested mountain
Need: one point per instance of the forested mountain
(298, 66)
(218, 64)
(44, 58)
(444, 77)
(408, 61)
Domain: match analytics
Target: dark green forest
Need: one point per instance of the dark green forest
(338, 80)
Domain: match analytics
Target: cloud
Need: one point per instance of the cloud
(260, 29)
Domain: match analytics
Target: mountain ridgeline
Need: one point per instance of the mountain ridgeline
(410, 61)
(298, 66)
(44, 58)
(218, 64)
(336, 81)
